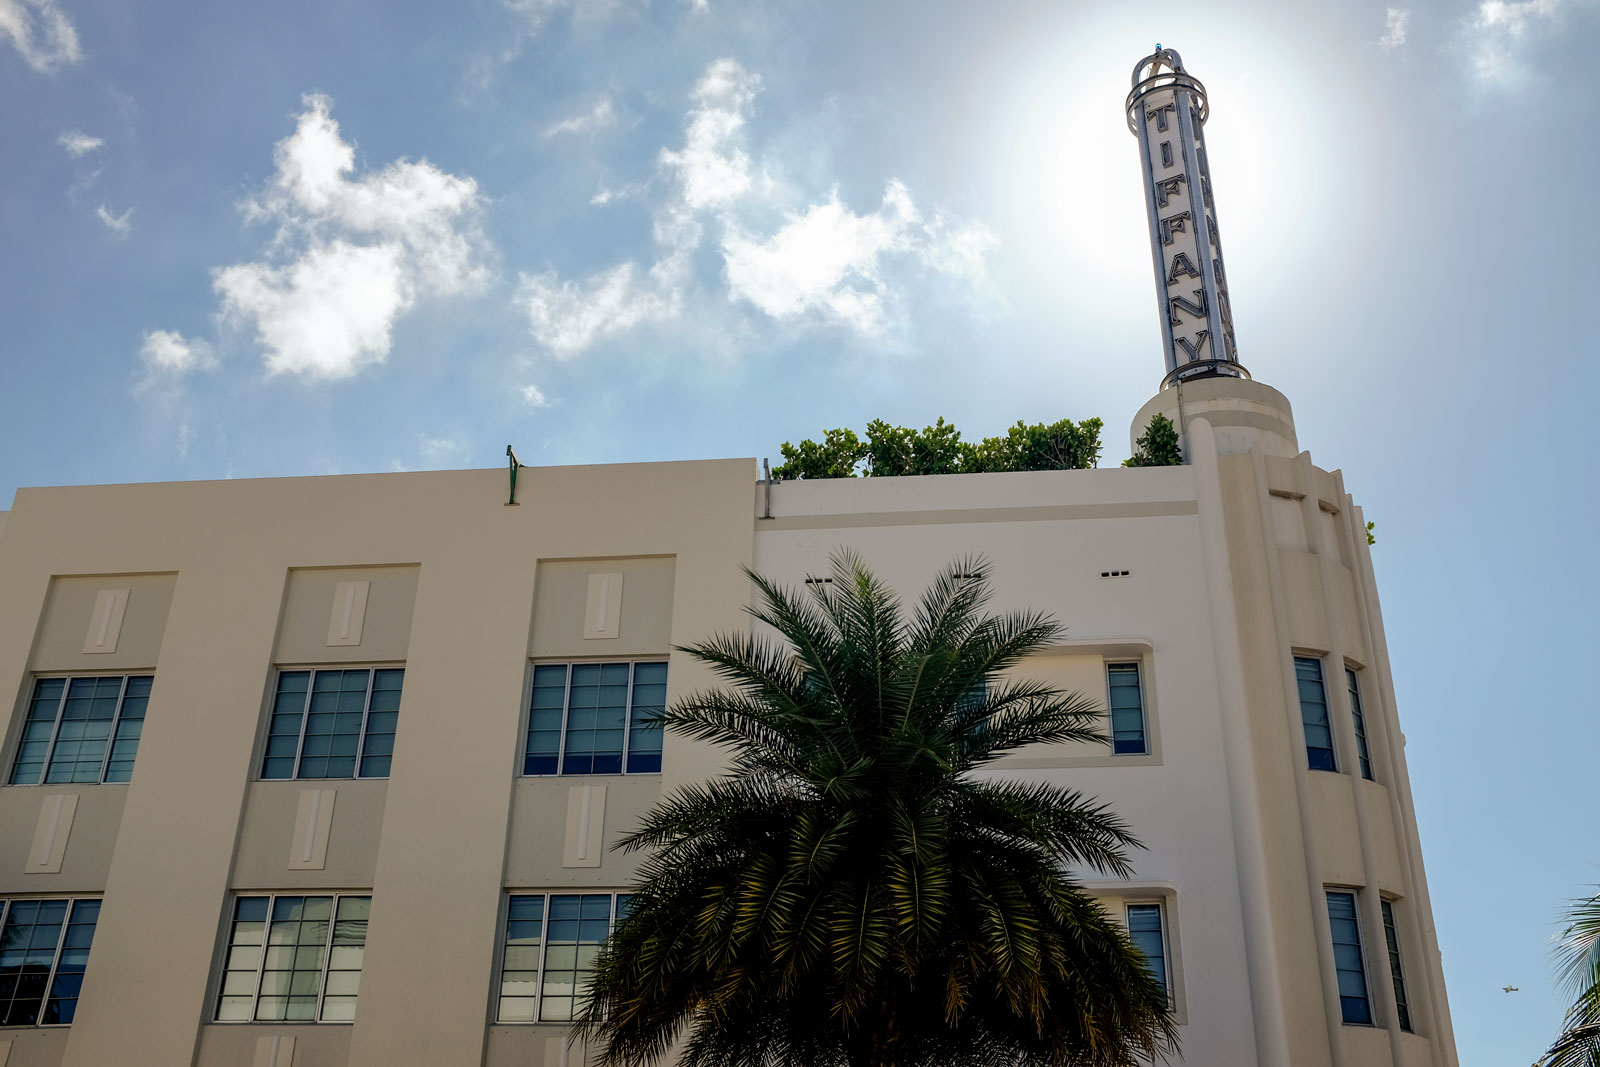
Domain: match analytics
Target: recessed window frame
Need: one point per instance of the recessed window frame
(117, 721)
(618, 898)
(633, 664)
(1391, 941)
(1332, 748)
(1160, 907)
(1358, 718)
(1354, 897)
(72, 903)
(299, 756)
(1119, 666)
(228, 945)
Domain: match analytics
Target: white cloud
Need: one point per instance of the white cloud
(1396, 21)
(600, 116)
(119, 225)
(826, 259)
(535, 396)
(824, 262)
(712, 169)
(169, 352)
(77, 142)
(605, 194)
(351, 254)
(439, 451)
(41, 32)
(1497, 33)
(568, 318)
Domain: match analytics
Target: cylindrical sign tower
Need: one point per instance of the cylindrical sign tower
(1166, 111)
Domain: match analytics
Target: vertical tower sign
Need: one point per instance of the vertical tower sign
(1166, 111)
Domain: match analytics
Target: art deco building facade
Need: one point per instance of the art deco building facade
(318, 772)
(323, 771)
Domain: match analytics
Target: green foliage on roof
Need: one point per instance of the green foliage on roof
(898, 451)
(1158, 446)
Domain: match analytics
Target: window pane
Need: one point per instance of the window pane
(344, 965)
(519, 963)
(1144, 927)
(1347, 959)
(649, 701)
(1126, 704)
(283, 731)
(378, 744)
(1392, 940)
(30, 945)
(578, 926)
(1314, 714)
(39, 725)
(545, 712)
(1356, 713)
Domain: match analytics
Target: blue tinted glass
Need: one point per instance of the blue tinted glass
(1144, 928)
(1127, 708)
(1363, 754)
(1314, 714)
(1348, 967)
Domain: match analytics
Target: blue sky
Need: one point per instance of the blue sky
(306, 238)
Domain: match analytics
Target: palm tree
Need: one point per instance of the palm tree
(853, 893)
(1578, 965)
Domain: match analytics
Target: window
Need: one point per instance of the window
(1360, 718)
(1144, 927)
(81, 730)
(1392, 938)
(333, 723)
(1314, 713)
(44, 947)
(294, 959)
(550, 947)
(1126, 700)
(1347, 964)
(589, 718)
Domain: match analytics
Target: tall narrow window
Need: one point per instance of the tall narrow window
(1347, 961)
(1392, 938)
(333, 723)
(1126, 699)
(44, 949)
(81, 730)
(1145, 928)
(294, 959)
(1314, 713)
(595, 718)
(551, 943)
(1360, 718)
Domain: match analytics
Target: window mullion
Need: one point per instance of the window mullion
(627, 718)
(116, 720)
(261, 964)
(544, 946)
(55, 962)
(55, 732)
(566, 713)
(305, 721)
(366, 710)
(327, 954)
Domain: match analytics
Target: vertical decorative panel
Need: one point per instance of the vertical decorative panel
(349, 613)
(313, 820)
(586, 816)
(602, 613)
(50, 833)
(105, 621)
